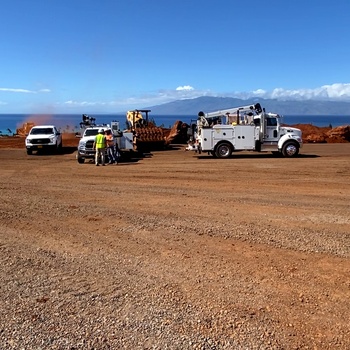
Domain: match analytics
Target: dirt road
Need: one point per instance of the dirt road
(176, 251)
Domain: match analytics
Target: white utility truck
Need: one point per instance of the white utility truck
(246, 128)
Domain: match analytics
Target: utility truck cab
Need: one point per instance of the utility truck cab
(247, 128)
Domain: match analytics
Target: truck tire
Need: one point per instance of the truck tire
(80, 160)
(290, 149)
(223, 150)
(29, 152)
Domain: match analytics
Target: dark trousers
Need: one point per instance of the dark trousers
(111, 154)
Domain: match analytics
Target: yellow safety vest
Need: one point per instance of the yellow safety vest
(100, 141)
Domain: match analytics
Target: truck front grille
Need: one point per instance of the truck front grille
(40, 141)
(89, 144)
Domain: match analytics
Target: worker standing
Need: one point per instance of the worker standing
(100, 147)
(111, 147)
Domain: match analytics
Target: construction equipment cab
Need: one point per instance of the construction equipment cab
(146, 135)
(246, 128)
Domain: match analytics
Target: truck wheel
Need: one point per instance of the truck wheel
(290, 149)
(81, 160)
(29, 152)
(224, 150)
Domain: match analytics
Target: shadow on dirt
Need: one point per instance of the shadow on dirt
(68, 150)
(63, 150)
(171, 147)
(174, 147)
(258, 156)
(131, 158)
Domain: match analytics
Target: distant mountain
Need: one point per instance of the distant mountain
(209, 104)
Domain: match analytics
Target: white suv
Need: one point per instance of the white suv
(43, 137)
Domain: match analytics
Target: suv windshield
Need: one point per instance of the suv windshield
(41, 131)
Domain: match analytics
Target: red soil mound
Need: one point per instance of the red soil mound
(315, 134)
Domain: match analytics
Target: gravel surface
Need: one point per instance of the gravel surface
(176, 251)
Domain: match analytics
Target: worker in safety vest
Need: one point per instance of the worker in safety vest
(100, 147)
(111, 147)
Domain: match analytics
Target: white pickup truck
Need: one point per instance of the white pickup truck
(124, 140)
(43, 137)
(85, 147)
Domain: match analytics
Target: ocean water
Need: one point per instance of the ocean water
(70, 122)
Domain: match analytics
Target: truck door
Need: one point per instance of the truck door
(222, 133)
(245, 136)
(206, 139)
(271, 134)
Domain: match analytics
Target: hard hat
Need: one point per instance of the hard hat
(100, 131)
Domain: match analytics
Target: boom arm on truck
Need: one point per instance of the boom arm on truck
(236, 115)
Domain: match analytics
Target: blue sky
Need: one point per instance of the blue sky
(108, 56)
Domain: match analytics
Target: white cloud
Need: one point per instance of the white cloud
(18, 90)
(331, 92)
(84, 103)
(337, 90)
(327, 92)
(334, 92)
(259, 92)
(185, 87)
(25, 91)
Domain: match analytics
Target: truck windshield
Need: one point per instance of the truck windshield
(271, 122)
(91, 132)
(42, 131)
